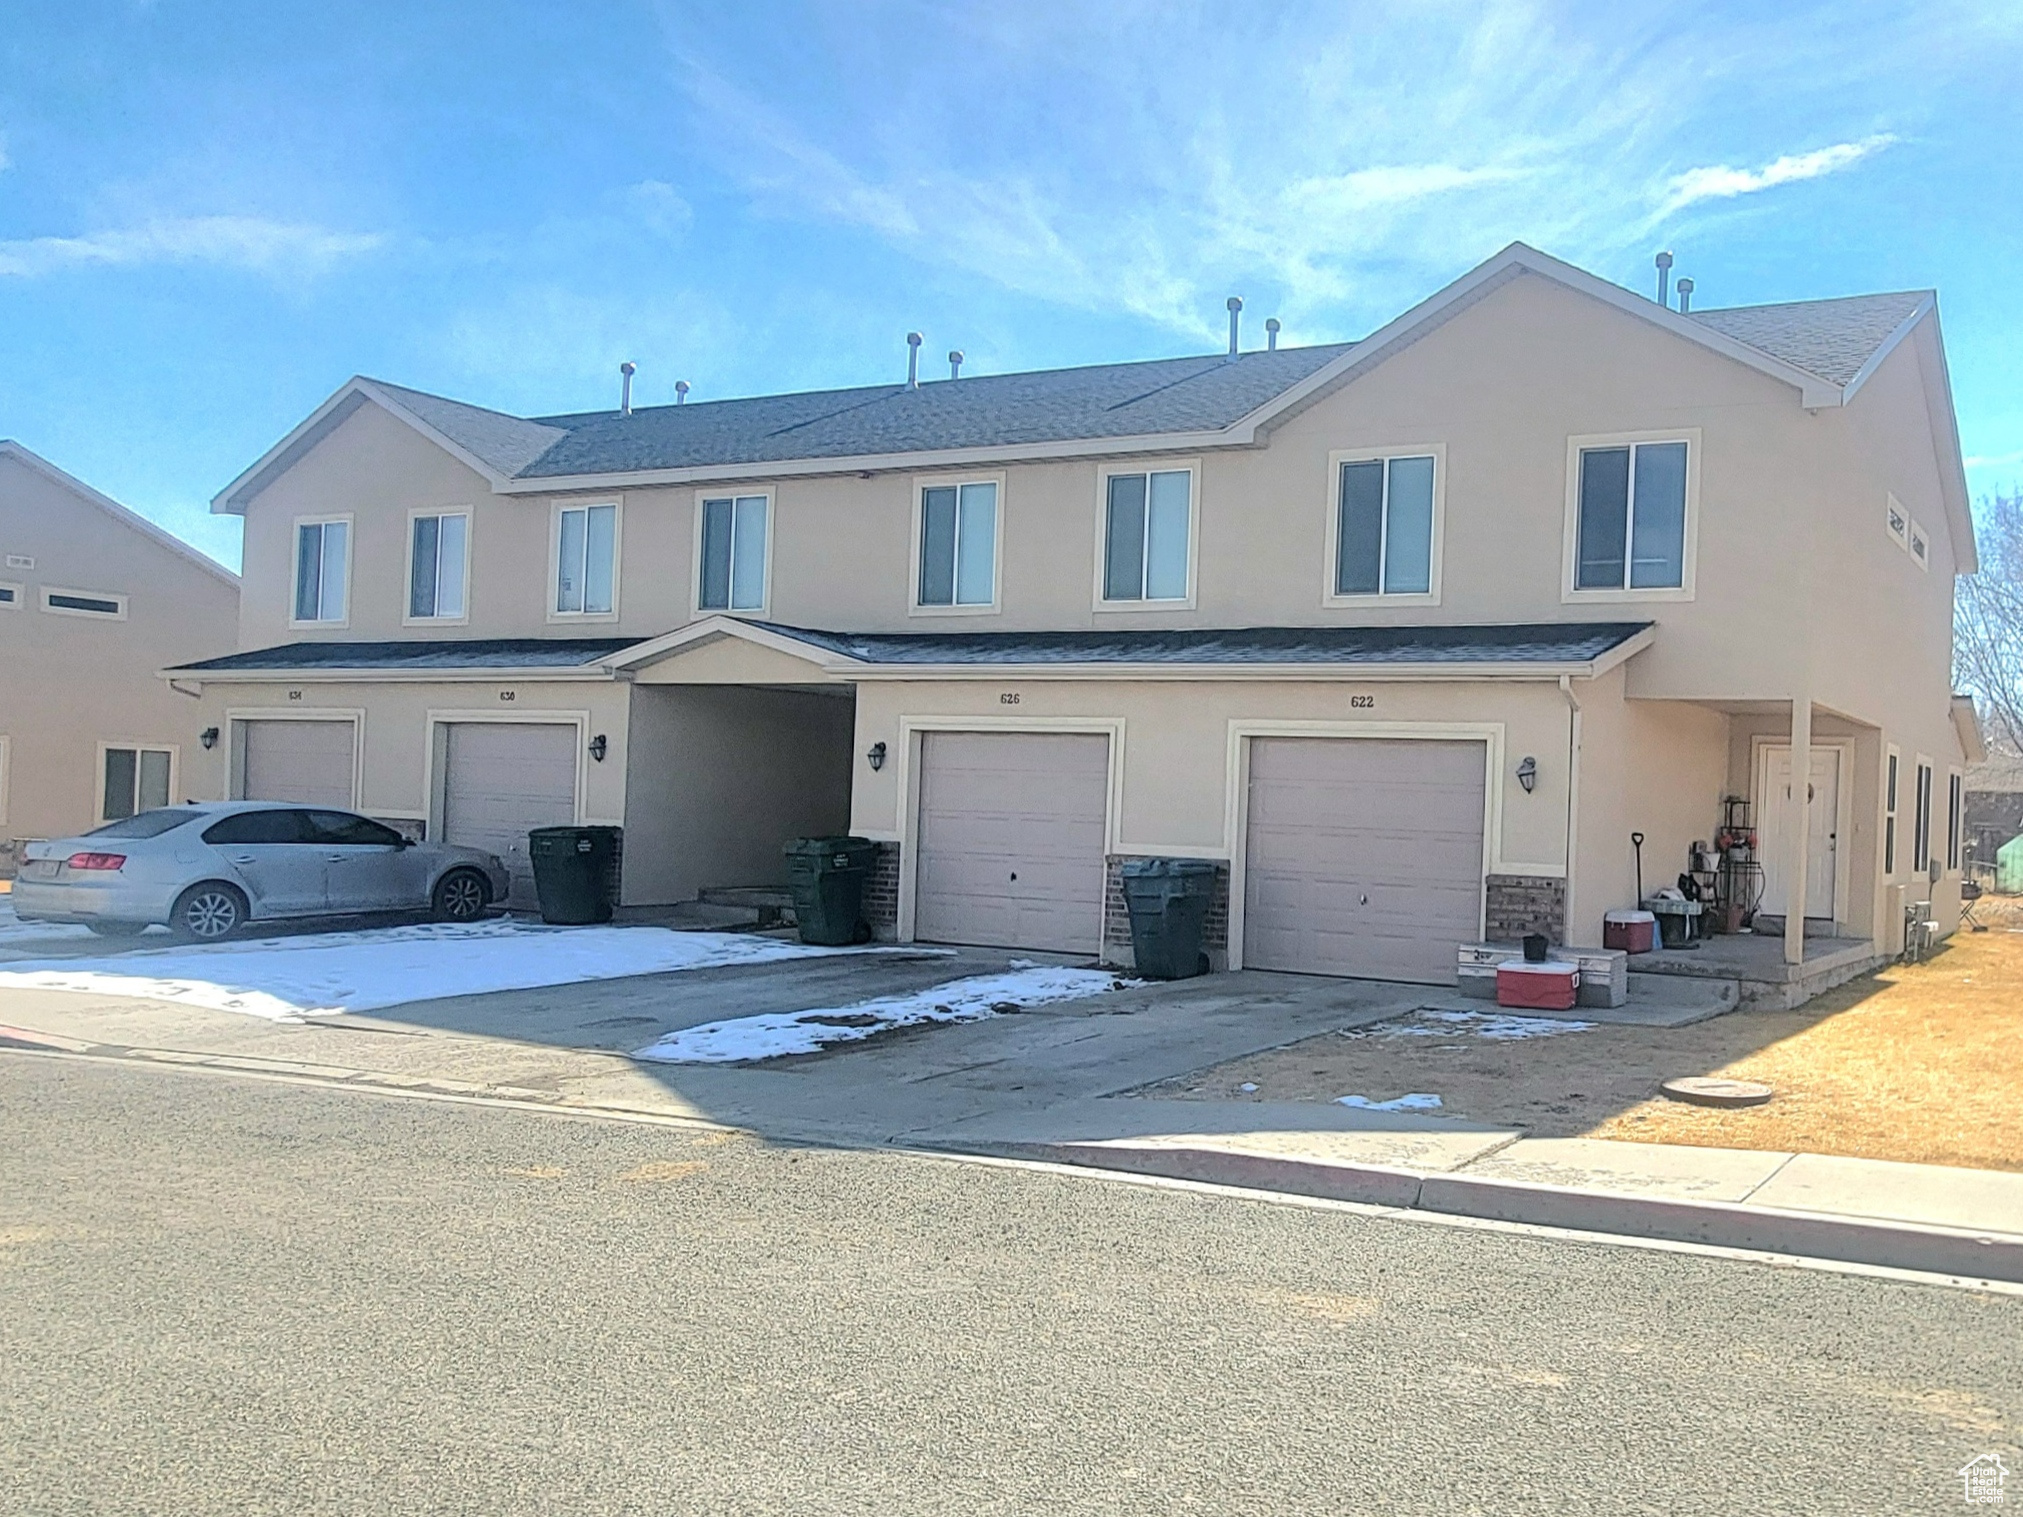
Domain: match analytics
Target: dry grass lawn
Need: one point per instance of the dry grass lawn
(1922, 1064)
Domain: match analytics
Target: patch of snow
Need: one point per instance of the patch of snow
(776, 1034)
(289, 977)
(1248, 1086)
(1416, 1102)
(1494, 1026)
(15, 933)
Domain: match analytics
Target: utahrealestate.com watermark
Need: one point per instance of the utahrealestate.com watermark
(1983, 1478)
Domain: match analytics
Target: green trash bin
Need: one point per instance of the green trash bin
(575, 873)
(1168, 900)
(827, 878)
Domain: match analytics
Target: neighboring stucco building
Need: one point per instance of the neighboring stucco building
(1408, 634)
(93, 600)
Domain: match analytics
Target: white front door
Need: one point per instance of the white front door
(1822, 831)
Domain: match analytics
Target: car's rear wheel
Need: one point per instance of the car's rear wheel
(208, 913)
(118, 929)
(461, 896)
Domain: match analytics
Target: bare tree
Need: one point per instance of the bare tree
(1988, 622)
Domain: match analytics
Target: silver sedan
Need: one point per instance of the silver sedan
(205, 871)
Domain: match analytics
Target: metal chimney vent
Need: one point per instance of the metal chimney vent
(1665, 280)
(1685, 295)
(955, 363)
(913, 341)
(681, 392)
(626, 371)
(1235, 304)
(1271, 334)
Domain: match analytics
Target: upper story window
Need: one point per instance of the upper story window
(85, 603)
(1385, 527)
(958, 545)
(10, 595)
(1632, 515)
(1921, 546)
(586, 560)
(1148, 532)
(731, 557)
(322, 569)
(438, 554)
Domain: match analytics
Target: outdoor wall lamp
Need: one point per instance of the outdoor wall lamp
(1527, 773)
(875, 757)
(598, 747)
(208, 737)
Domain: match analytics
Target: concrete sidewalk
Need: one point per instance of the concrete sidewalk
(1960, 1222)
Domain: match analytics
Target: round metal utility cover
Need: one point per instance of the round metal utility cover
(1712, 1090)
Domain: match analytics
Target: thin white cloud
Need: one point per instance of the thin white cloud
(252, 243)
(1994, 460)
(1724, 183)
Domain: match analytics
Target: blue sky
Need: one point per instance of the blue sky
(211, 215)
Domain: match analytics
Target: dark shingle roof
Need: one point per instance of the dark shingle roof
(508, 443)
(443, 653)
(1534, 643)
(988, 410)
(1830, 338)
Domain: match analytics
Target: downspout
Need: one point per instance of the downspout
(1572, 790)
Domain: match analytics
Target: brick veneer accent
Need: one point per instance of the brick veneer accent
(1522, 903)
(881, 893)
(1117, 916)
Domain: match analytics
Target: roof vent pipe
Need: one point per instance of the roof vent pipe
(913, 341)
(626, 371)
(1685, 295)
(1665, 280)
(681, 392)
(955, 363)
(1235, 303)
(1271, 334)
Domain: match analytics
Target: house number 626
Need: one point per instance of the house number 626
(1009, 698)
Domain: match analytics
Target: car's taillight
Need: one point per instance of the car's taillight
(96, 860)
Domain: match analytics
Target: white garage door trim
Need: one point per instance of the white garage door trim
(236, 718)
(912, 729)
(1236, 813)
(435, 757)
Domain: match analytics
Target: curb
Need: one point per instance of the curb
(1720, 1224)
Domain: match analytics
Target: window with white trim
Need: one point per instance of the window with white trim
(133, 780)
(10, 596)
(1890, 767)
(586, 560)
(1955, 809)
(958, 544)
(322, 570)
(438, 553)
(732, 565)
(1921, 821)
(1147, 524)
(1921, 546)
(1631, 525)
(84, 603)
(1384, 526)
(1896, 521)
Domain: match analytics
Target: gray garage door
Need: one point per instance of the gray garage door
(309, 762)
(1364, 856)
(1011, 840)
(503, 779)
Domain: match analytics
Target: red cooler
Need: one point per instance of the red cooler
(1549, 986)
(1631, 931)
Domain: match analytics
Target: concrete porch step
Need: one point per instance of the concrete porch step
(770, 905)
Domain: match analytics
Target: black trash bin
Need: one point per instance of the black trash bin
(827, 877)
(575, 873)
(1168, 900)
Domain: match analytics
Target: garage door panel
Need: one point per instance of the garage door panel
(503, 779)
(1010, 840)
(1363, 856)
(310, 762)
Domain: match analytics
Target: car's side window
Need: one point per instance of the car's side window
(244, 827)
(341, 827)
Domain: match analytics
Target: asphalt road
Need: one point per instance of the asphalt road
(221, 1295)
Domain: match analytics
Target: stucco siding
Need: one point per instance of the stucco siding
(71, 683)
